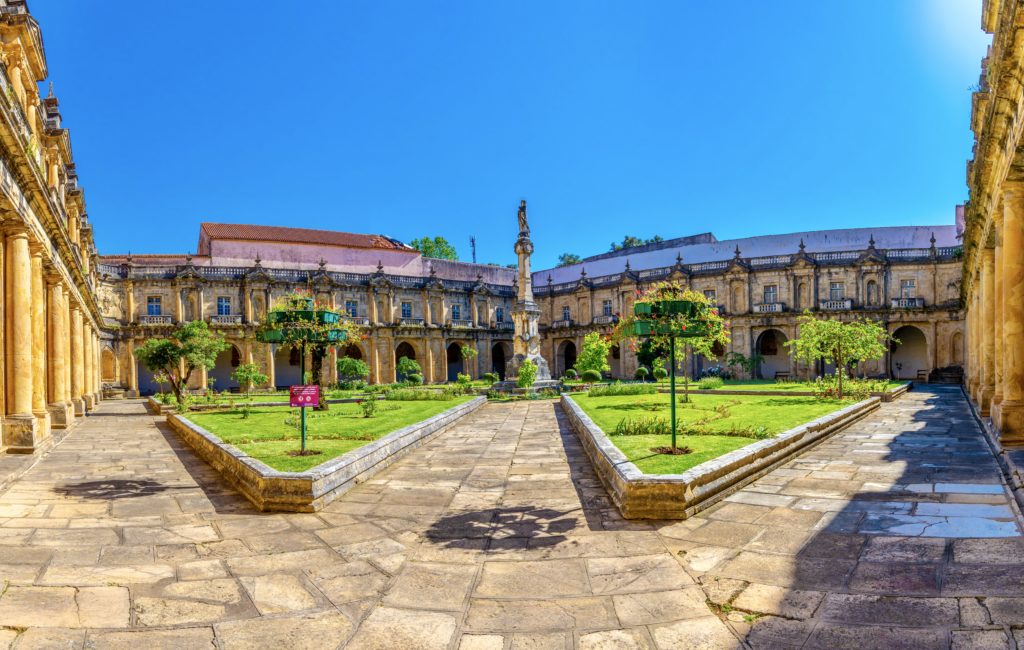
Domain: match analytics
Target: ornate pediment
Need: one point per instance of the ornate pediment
(189, 271)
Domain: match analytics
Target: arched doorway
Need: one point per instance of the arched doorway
(774, 356)
(911, 354)
(566, 357)
(498, 360)
(287, 367)
(146, 384)
(404, 349)
(108, 366)
(351, 351)
(223, 368)
(455, 361)
(956, 349)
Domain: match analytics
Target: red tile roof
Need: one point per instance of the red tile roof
(295, 236)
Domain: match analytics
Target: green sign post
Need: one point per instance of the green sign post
(674, 319)
(302, 324)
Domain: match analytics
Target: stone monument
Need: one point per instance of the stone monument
(525, 316)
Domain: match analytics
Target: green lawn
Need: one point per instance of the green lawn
(771, 384)
(738, 415)
(271, 431)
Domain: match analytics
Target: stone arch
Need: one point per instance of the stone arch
(956, 349)
(910, 355)
(287, 366)
(224, 367)
(108, 365)
(774, 355)
(404, 349)
(501, 353)
(352, 351)
(565, 357)
(455, 362)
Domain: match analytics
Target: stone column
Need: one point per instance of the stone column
(39, 299)
(66, 343)
(997, 395)
(20, 426)
(77, 361)
(271, 380)
(986, 331)
(133, 370)
(87, 369)
(1012, 407)
(61, 413)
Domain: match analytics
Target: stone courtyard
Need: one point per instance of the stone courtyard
(897, 532)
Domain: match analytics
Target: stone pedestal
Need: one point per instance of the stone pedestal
(79, 406)
(62, 414)
(21, 433)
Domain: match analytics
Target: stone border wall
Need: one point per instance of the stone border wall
(678, 496)
(309, 491)
(157, 407)
(885, 396)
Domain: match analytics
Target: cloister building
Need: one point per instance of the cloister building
(994, 228)
(51, 326)
(427, 309)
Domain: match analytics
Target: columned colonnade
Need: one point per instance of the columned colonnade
(50, 373)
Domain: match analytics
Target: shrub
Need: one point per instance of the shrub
(413, 395)
(464, 379)
(710, 383)
(649, 426)
(407, 367)
(660, 374)
(248, 375)
(355, 384)
(415, 379)
(490, 377)
(351, 370)
(623, 389)
(641, 373)
(527, 374)
(591, 376)
(369, 406)
(570, 374)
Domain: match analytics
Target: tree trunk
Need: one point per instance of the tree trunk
(317, 370)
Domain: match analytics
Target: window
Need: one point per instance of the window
(566, 314)
(606, 307)
(352, 308)
(908, 288)
(836, 291)
(710, 295)
(499, 314)
(223, 306)
(771, 293)
(406, 310)
(456, 312)
(153, 306)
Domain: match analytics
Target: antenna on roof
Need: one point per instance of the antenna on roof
(472, 246)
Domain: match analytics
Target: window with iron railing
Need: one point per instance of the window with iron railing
(771, 294)
(223, 306)
(153, 306)
(566, 313)
(836, 291)
(908, 289)
(499, 314)
(456, 312)
(352, 308)
(606, 308)
(406, 310)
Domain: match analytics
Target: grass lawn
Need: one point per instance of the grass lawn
(738, 415)
(271, 431)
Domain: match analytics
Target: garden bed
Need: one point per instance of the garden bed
(784, 389)
(309, 482)
(676, 487)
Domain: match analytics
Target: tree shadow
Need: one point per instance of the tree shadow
(527, 523)
(113, 489)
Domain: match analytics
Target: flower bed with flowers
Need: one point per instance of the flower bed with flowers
(269, 433)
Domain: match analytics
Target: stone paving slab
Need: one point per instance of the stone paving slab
(897, 532)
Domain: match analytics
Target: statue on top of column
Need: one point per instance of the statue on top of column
(524, 225)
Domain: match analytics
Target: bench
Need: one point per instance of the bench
(781, 375)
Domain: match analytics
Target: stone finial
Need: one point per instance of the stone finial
(679, 258)
(129, 259)
(627, 265)
(737, 252)
(380, 266)
(932, 240)
(802, 247)
(323, 264)
(188, 259)
(583, 271)
(479, 277)
(871, 241)
(549, 278)
(433, 273)
(50, 95)
(258, 260)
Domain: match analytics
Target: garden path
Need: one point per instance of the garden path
(894, 533)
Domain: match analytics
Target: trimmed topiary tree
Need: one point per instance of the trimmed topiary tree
(641, 373)
(591, 376)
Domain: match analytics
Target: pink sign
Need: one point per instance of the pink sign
(304, 395)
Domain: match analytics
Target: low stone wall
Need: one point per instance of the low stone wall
(309, 491)
(159, 408)
(885, 396)
(678, 496)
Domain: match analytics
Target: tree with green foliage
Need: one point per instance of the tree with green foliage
(527, 374)
(749, 364)
(590, 376)
(568, 259)
(594, 354)
(629, 241)
(350, 369)
(191, 346)
(436, 247)
(840, 343)
(468, 353)
(248, 375)
(407, 367)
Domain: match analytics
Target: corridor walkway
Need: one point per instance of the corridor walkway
(895, 533)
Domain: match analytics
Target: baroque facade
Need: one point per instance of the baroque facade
(993, 274)
(51, 326)
(908, 277)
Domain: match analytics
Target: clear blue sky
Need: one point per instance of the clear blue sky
(435, 118)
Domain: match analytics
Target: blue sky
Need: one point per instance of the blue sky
(415, 118)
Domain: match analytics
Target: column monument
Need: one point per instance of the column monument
(525, 316)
